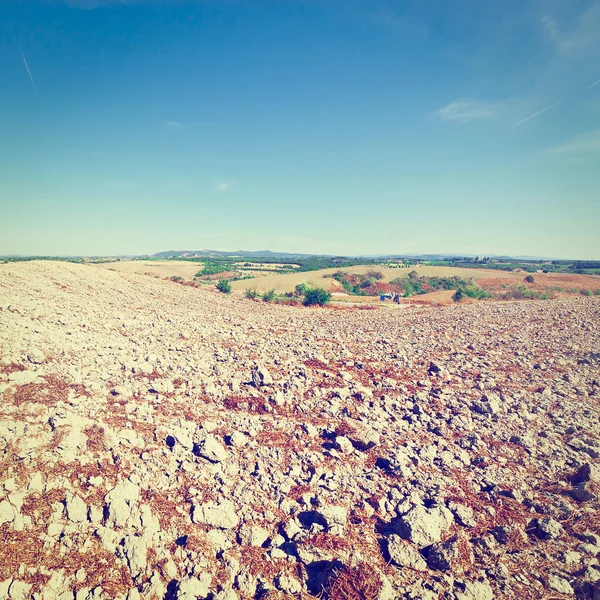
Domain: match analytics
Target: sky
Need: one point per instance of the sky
(319, 126)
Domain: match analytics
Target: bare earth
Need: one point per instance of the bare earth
(161, 441)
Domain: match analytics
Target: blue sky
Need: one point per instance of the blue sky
(339, 127)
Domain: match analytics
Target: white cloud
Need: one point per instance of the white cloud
(465, 111)
(222, 187)
(579, 38)
(577, 145)
(174, 124)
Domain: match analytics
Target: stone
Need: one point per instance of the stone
(36, 483)
(488, 405)
(404, 554)
(343, 444)
(547, 528)
(216, 514)
(453, 555)
(7, 512)
(238, 440)
(560, 585)
(463, 514)
(424, 526)
(434, 368)
(473, 590)
(136, 550)
(191, 588)
(335, 517)
(288, 584)
(120, 501)
(76, 509)
(587, 472)
(253, 535)
(260, 376)
(19, 590)
(583, 492)
(211, 449)
(36, 356)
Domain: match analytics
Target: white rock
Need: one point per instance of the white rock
(120, 501)
(76, 509)
(424, 526)
(190, 588)
(405, 554)
(343, 444)
(216, 514)
(36, 356)
(136, 550)
(253, 535)
(7, 512)
(211, 449)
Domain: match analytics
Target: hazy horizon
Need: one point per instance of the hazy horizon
(298, 253)
(327, 127)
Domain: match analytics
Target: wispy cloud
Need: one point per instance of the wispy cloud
(591, 85)
(174, 124)
(539, 112)
(465, 111)
(222, 187)
(29, 72)
(577, 145)
(578, 38)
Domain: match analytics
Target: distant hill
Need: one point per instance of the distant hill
(241, 253)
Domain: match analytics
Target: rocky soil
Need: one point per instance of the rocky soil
(159, 441)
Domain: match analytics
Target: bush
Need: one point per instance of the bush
(586, 292)
(176, 278)
(211, 268)
(470, 291)
(529, 279)
(269, 296)
(251, 293)
(317, 296)
(378, 275)
(301, 289)
(224, 286)
(458, 295)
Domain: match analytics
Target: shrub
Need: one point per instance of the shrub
(529, 279)
(459, 294)
(224, 286)
(586, 292)
(470, 291)
(317, 296)
(176, 278)
(212, 269)
(378, 275)
(269, 296)
(301, 289)
(251, 293)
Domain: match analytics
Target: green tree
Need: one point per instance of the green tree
(316, 296)
(224, 286)
(269, 296)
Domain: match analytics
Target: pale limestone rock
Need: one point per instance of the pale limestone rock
(216, 514)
